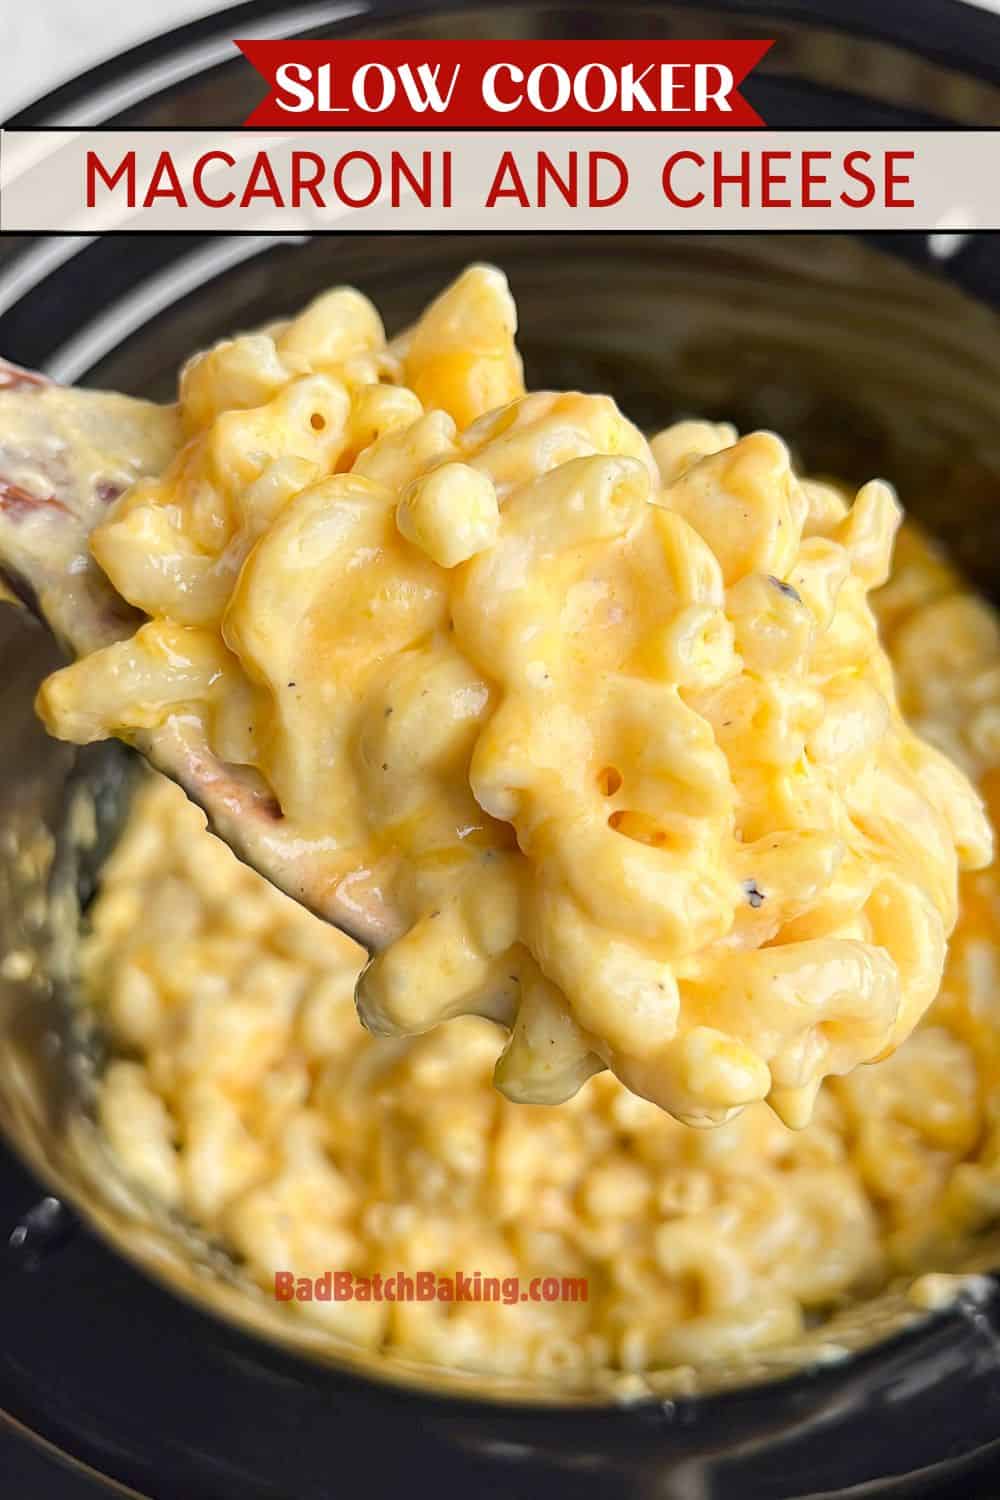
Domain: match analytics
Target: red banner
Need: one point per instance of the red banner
(508, 85)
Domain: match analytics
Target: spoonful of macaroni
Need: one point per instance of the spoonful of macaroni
(585, 733)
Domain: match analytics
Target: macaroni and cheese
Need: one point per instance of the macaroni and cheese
(243, 1094)
(585, 734)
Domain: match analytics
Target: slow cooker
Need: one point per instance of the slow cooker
(120, 1357)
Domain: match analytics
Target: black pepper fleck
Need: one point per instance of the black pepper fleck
(388, 712)
(754, 895)
(385, 765)
(785, 588)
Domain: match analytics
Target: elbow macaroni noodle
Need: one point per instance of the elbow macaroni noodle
(243, 1095)
(602, 726)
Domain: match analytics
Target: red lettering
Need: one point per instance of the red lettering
(96, 168)
(340, 169)
(256, 188)
(770, 179)
(463, 1288)
(164, 183)
(198, 175)
(852, 171)
(567, 187)
(303, 184)
(507, 168)
(740, 179)
(669, 190)
(811, 179)
(616, 194)
(894, 179)
(423, 189)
